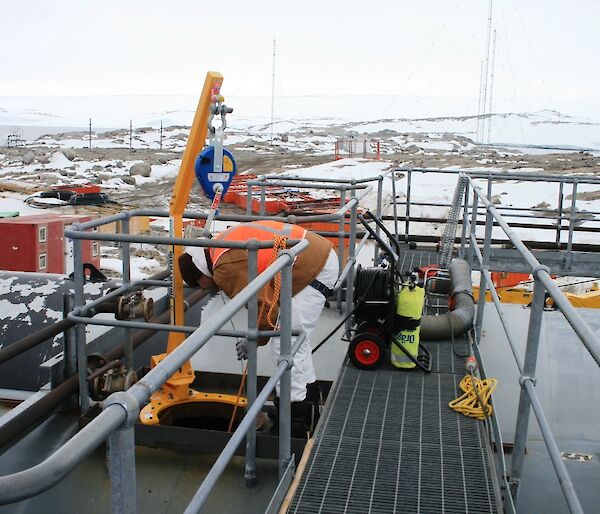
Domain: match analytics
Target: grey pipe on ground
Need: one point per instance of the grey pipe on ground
(28, 419)
(460, 320)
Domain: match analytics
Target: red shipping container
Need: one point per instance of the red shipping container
(90, 249)
(59, 254)
(32, 245)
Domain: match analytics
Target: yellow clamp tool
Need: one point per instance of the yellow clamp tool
(469, 404)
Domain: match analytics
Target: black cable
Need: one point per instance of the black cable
(366, 279)
(358, 304)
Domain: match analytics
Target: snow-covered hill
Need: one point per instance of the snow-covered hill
(339, 115)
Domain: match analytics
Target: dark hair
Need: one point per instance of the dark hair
(189, 272)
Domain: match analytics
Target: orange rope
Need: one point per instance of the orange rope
(273, 287)
(237, 400)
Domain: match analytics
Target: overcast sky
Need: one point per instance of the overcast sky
(546, 49)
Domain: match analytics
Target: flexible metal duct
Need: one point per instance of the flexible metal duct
(460, 320)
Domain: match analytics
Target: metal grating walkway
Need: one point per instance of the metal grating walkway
(421, 256)
(388, 442)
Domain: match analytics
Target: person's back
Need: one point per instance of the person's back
(314, 274)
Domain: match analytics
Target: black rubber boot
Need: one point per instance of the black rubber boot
(314, 398)
(300, 412)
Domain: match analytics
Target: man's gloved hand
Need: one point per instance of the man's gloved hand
(241, 348)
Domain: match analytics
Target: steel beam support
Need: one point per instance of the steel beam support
(351, 257)
(285, 387)
(125, 252)
(252, 305)
(572, 219)
(121, 461)
(263, 199)
(80, 337)
(125, 256)
(69, 339)
(249, 198)
(379, 214)
(341, 234)
(408, 192)
(561, 187)
(529, 366)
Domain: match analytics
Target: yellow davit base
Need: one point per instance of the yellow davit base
(522, 296)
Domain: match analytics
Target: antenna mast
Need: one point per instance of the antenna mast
(479, 109)
(487, 68)
(273, 91)
(491, 88)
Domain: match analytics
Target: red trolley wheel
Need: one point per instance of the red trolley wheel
(367, 351)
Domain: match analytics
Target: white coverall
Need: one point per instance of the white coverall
(307, 305)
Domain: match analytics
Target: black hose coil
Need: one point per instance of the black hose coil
(372, 284)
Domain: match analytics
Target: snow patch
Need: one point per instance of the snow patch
(10, 310)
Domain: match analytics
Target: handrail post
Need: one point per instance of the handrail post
(126, 258)
(341, 234)
(531, 353)
(248, 198)
(572, 219)
(250, 471)
(407, 210)
(263, 195)
(80, 342)
(285, 388)
(487, 242)
(351, 256)
(465, 221)
(559, 212)
(69, 340)
(121, 461)
(473, 238)
(395, 205)
(379, 213)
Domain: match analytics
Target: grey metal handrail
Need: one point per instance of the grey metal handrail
(582, 329)
(490, 176)
(123, 408)
(209, 482)
(507, 175)
(543, 284)
(116, 420)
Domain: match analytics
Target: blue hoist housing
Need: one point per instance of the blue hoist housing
(206, 174)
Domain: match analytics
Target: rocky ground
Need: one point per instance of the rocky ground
(111, 163)
(138, 170)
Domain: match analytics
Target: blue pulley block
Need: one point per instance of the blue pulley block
(206, 174)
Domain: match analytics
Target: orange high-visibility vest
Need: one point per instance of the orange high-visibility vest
(260, 230)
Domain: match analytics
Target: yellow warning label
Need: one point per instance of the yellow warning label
(227, 164)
